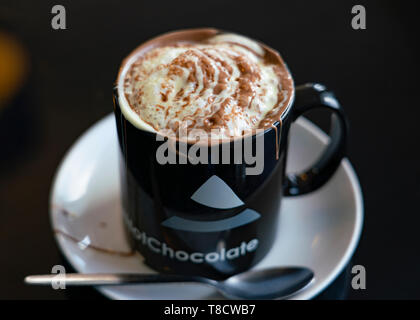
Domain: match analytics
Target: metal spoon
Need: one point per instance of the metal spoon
(271, 283)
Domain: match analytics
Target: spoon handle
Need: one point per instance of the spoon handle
(96, 279)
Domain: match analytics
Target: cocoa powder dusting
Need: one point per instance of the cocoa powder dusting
(207, 70)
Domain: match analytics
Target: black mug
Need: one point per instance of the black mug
(212, 219)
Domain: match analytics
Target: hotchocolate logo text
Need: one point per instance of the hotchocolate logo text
(163, 249)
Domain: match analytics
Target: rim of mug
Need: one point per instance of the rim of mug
(131, 116)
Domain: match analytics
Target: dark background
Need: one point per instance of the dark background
(373, 72)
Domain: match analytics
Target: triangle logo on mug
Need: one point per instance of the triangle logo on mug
(214, 193)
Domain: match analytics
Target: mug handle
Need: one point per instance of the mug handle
(311, 96)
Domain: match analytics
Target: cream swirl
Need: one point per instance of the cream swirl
(224, 84)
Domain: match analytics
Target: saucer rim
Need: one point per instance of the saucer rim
(359, 208)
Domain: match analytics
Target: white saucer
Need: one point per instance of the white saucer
(319, 230)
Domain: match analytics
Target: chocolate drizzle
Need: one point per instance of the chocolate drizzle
(277, 132)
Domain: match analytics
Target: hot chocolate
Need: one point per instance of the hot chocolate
(222, 83)
(205, 213)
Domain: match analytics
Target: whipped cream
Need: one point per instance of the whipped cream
(223, 85)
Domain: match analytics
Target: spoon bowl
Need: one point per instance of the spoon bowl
(272, 283)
